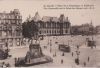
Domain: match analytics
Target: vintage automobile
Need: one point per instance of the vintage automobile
(33, 57)
(64, 48)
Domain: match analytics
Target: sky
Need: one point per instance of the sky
(76, 16)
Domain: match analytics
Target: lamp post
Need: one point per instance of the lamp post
(48, 40)
(39, 41)
(69, 42)
(77, 53)
(50, 46)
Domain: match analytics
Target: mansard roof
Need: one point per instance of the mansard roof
(60, 19)
(54, 19)
(48, 18)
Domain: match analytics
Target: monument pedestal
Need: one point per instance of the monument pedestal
(34, 56)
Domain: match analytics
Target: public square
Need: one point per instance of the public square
(68, 59)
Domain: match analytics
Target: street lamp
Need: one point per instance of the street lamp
(56, 41)
(69, 42)
(50, 46)
(77, 53)
(48, 40)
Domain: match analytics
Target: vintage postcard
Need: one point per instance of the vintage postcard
(50, 33)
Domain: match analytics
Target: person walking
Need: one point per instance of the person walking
(7, 65)
(63, 54)
(72, 54)
(3, 65)
(91, 47)
(88, 58)
(84, 63)
(55, 53)
(61, 61)
(95, 46)
(15, 61)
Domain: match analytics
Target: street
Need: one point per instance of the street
(68, 59)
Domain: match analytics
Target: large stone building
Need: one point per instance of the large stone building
(85, 29)
(10, 28)
(98, 29)
(52, 25)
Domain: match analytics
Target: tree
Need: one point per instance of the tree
(29, 29)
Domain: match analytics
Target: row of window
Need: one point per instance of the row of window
(10, 28)
(10, 21)
(10, 16)
(51, 31)
(9, 33)
(54, 28)
(49, 25)
(10, 41)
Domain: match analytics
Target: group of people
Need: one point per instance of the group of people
(87, 60)
(3, 65)
(84, 63)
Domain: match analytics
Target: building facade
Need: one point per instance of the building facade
(52, 25)
(98, 29)
(11, 28)
(84, 29)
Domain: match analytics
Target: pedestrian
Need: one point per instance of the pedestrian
(77, 46)
(55, 53)
(91, 47)
(84, 63)
(77, 61)
(61, 61)
(63, 54)
(95, 46)
(15, 60)
(44, 47)
(72, 54)
(8, 65)
(3, 65)
(88, 58)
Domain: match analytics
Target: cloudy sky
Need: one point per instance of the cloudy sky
(76, 16)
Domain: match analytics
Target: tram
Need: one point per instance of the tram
(91, 43)
(64, 48)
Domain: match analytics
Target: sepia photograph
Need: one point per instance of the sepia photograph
(50, 33)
